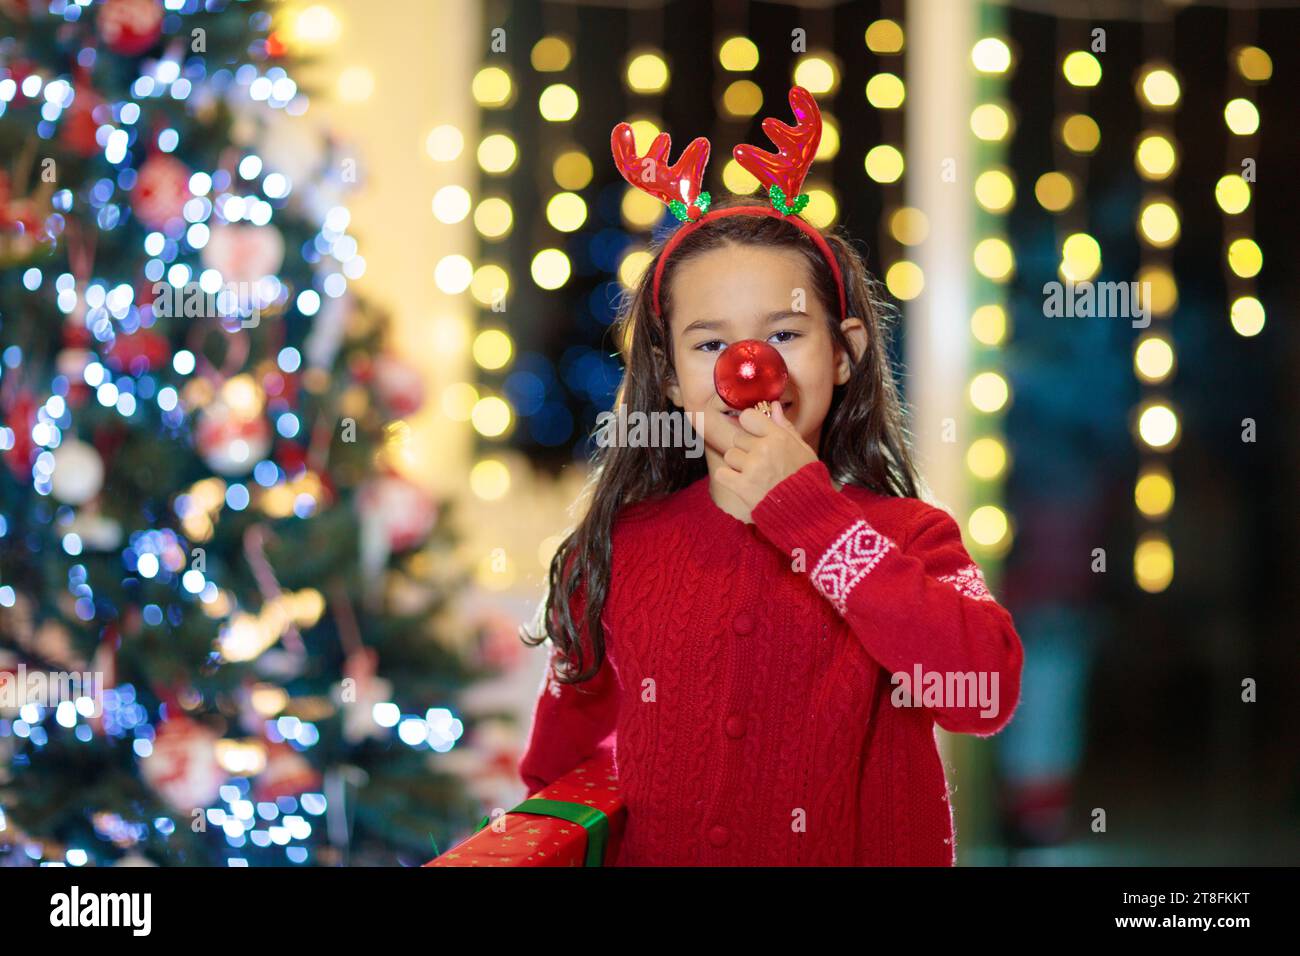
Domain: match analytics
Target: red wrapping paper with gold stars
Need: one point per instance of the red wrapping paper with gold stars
(521, 838)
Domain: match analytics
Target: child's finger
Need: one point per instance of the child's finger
(755, 422)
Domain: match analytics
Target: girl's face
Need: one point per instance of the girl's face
(739, 292)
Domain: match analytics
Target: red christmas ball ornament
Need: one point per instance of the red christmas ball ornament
(749, 372)
(161, 190)
(130, 27)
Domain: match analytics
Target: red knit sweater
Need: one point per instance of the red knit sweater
(747, 687)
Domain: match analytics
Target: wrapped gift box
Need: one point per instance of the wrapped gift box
(576, 821)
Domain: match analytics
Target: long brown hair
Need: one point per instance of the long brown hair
(863, 441)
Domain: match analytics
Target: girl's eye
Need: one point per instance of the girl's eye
(704, 346)
(790, 332)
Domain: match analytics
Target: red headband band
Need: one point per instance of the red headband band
(783, 173)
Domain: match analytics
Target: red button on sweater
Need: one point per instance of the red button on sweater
(749, 686)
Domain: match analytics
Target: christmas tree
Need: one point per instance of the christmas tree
(221, 638)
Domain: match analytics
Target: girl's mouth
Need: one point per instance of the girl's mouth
(735, 413)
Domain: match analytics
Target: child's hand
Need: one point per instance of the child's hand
(764, 453)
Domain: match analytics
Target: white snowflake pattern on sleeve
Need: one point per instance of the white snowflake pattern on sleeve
(969, 581)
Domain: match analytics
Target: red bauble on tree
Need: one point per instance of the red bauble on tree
(161, 190)
(130, 27)
(749, 372)
(79, 124)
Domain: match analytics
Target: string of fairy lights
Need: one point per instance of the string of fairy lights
(1249, 67)
(1159, 94)
(992, 124)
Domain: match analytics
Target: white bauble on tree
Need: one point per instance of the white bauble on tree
(396, 514)
(244, 253)
(183, 767)
(78, 472)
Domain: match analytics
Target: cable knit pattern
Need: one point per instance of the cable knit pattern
(747, 691)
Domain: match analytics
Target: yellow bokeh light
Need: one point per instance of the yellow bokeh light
(566, 212)
(991, 55)
(986, 458)
(489, 479)
(1247, 316)
(558, 103)
(738, 179)
(988, 324)
(905, 280)
(1159, 87)
(355, 84)
(316, 25)
(490, 417)
(497, 153)
(988, 525)
(1158, 425)
(1159, 288)
(633, 267)
(1232, 193)
(885, 91)
(551, 54)
(1154, 492)
(644, 132)
(817, 74)
(884, 36)
(1245, 258)
(1153, 562)
(550, 268)
(1054, 191)
(572, 169)
(491, 87)
(990, 122)
(1081, 68)
(822, 209)
(742, 98)
(1153, 359)
(647, 73)
(1156, 156)
(458, 401)
(490, 285)
(452, 274)
(829, 145)
(451, 204)
(995, 190)
(884, 164)
(1080, 257)
(640, 209)
(993, 259)
(909, 226)
(1254, 64)
(1080, 133)
(444, 143)
(1242, 116)
(1159, 223)
(738, 54)
(492, 348)
(493, 218)
(989, 391)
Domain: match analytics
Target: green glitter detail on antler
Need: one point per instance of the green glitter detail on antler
(682, 212)
(777, 196)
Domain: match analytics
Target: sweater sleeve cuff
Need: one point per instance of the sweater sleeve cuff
(805, 511)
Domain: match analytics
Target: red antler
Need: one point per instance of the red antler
(796, 145)
(650, 173)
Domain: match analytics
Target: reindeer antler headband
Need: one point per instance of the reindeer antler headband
(783, 172)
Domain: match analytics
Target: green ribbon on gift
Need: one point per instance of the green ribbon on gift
(594, 821)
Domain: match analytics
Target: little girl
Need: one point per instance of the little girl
(766, 639)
